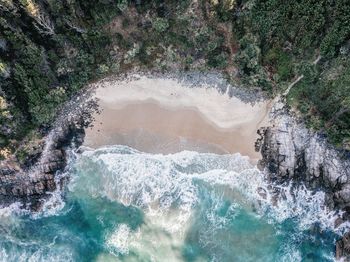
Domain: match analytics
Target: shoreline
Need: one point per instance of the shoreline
(281, 153)
(208, 120)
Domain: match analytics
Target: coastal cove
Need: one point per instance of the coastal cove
(180, 131)
(168, 169)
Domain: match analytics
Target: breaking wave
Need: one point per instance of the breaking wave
(125, 205)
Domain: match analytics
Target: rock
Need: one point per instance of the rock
(262, 192)
(342, 250)
(31, 181)
(30, 184)
(291, 152)
(3, 44)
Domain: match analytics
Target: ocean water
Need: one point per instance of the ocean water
(124, 205)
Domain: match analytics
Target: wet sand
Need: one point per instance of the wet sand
(162, 116)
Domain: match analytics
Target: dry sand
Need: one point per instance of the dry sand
(163, 116)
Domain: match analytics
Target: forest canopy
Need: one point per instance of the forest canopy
(50, 49)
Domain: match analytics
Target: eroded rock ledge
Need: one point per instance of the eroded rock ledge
(291, 152)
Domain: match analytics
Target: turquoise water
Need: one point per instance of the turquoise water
(124, 205)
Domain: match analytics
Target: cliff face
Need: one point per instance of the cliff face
(291, 152)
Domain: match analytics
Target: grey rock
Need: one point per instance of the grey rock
(3, 44)
(293, 153)
(343, 248)
(31, 184)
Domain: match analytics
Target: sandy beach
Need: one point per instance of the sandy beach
(164, 116)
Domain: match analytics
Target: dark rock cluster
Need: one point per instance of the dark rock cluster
(343, 247)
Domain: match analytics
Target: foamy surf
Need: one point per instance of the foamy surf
(170, 189)
(125, 205)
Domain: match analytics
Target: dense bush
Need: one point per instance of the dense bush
(160, 24)
(280, 40)
(323, 96)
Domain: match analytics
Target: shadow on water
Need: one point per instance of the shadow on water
(80, 228)
(226, 229)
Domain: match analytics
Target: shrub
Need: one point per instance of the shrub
(160, 24)
(4, 71)
(281, 62)
(218, 59)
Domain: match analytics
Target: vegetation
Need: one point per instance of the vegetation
(323, 97)
(50, 49)
(282, 40)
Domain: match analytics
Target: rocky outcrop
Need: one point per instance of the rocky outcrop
(343, 248)
(293, 153)
(30, 185)
(17, 186)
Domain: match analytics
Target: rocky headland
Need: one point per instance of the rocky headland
(292, 153)
(30, 184)
(31, 181)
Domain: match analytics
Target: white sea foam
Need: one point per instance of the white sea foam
(158, 183)
(52, 206)
(182, 195)
(168, 189)
(30, 250)
(118, 241)
(10, 215)
(39, 255)
(12, 210)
